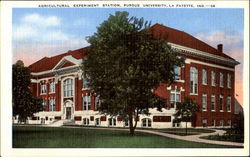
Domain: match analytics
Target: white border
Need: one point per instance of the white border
(6, 64)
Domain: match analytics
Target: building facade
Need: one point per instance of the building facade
(207, 76)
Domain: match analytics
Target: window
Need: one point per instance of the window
(175, 96)
(112, 122)
(204, 102)
(221, 103)
(204, 123)
(126, 121)
(85, 82)
(229, 83)
(52, 87)
(193, 80)
(177, 71)
(86, 102)
(221, 123)
(43, 89)
(146, 122)
(229, 104)
(85, 121)
(204, 77)
(97, 102)
(68, 88)
(212, 78)
(228, 122)
(213, 123)
(212, 102)
(44, 105)
(221, 80)
(97, 121)
(52, 105)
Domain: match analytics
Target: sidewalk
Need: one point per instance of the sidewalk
(193, 138)
(196, 138)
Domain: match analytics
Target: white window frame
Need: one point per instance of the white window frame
(112, 122)
(85, 82)
(52, 105)
(204, 102)
(98, 121)
(177, 72)
(193, 81)
(221, 103)
(148, 123)
(229, 103)
(44, 104)
(229, 81)
(68, 88)
(204, 76)
(175, 93)
(221, 79)
(213, 97)
(221, 123)
(43, 89)
(85, 121)
(213, 121)
(86, 102)
(213, 78)
(204, 121)
(97, 102)
(52, 87)
(229, 122)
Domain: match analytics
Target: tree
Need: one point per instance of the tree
(24, 104)
(185, 110)
(125, 64)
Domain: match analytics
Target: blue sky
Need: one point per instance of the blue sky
(39, 32)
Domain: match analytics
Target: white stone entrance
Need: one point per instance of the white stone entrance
(68, 110)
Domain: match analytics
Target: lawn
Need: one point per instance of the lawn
(230, 135)
(41, 137)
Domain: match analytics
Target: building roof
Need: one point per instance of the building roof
(168, 34)
(48, 63)
(184, 39)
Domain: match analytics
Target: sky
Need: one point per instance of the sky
(40, 32)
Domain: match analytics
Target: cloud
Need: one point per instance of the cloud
(38, 28)
(36, 36)
(221, 37)
(30, 53)
(41, 21)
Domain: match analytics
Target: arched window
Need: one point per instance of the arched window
(85, 121)
(112, 122)
(146, 122)
(68, 88)
(97, 121)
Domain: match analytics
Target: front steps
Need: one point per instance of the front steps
(59, 123)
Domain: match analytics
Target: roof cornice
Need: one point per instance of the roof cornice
(186, 50)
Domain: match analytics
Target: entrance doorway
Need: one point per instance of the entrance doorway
(68, 112)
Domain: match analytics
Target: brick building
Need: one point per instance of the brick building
(207, 76)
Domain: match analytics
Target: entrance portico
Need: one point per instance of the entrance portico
(68, 109)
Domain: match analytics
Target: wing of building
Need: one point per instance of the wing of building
(207, 76)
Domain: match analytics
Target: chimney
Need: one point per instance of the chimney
(220, 48)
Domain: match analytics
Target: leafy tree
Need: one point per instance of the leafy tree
(125, 64)
(185, 110)
(24, 104)
(239, 124)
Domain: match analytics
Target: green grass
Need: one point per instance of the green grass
(41, 137)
